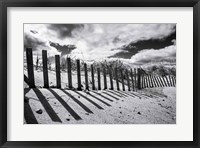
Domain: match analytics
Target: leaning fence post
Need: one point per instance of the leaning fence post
(175, 81)
(105, 79)
(92, 74)
(128, 83)
(139, 79)
(167, 81)
(159, 84)
(135, 72)
(78, 75)
(170, 79)
(58, 81)
(45, 69)
(122, 78)
(69, 73)
(29, 58)
(111, 81)
(99, 78)
(160, 78)
(132, 79)
(86, 77)
(164, 81)
(116, 78)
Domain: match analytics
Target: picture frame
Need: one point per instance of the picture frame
(99, 3)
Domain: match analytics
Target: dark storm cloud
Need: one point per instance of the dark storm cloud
(65, 49)
(64, 30)
(33, 42)
(133, 48)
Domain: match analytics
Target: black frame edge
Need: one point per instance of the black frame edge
(145, 3)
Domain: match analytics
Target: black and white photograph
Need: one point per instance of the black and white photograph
(99, 73)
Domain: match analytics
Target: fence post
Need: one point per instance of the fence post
(58, 81)
(159, 84)
(105, 79)
(92, 74)
(111, 81)
(164, 80)
(160, 78)
(122, 77)
(45, 69)
(145, 81)
(86, 77)
(99, 78)
(29, 58)
(69, 73)
(116, 78)
(135, 72)
(170, 79)
(78, 75)
(153, 80)
(139, 79)
(132, 79)
(127, 77)
(174, 81)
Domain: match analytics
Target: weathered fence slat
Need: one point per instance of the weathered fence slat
(167, 80)
(45, 69)
(159, 84)
(86, 77)
(99, 78)
(128, 82)
(146, 82)
(170, 79)
(78, 75)
(111, 81)
(164, 81)
(58, 80)
(135, 72)
(150, 77)
(132, 79)
(160, 78)
(30, 67)
(122, 78)
(155, 81)
(92, 75)
(69, 73)
(139, 79)
(104, 78)
(116, 78)
(174, 81)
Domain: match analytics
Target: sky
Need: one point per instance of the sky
(133, 43)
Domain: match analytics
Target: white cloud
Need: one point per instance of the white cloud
(152, 55)
(95, 41)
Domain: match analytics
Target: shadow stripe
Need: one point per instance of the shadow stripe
(95, 104)
(141, 95)
(26, 90)
(47, 106)
(78, 102)
(102, 96)
(133, 95)
(114, 92)
(121, 93)
(66, 106)
(99, 100)
(129, 94)
(28, 113)
(110, 95)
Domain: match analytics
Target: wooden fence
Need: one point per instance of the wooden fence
(133, 79)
